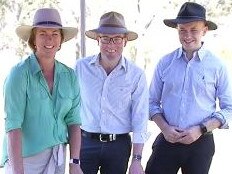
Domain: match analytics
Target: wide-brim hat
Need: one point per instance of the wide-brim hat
(112, 23)
(46, 18)
(190, 12)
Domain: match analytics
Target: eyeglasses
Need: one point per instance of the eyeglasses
(107, 40)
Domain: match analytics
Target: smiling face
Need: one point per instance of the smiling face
(190, 35)
(47, 41)
(111, 46)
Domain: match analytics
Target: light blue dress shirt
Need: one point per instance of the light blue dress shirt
(43, 117)
(117, 103)
(186, 92)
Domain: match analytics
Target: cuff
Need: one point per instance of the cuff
(224, 124)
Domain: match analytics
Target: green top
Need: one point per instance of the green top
(43, 117)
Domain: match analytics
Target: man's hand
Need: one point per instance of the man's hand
(75, 169)
(136, 167)
(172, 134)
(190, 135)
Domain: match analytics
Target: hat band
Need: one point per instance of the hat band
(112, 25)
(47, 22)
(190, 17)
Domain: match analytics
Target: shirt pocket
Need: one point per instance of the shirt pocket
(205, 84)
(36, 93)
(120, 97)
(65, 97)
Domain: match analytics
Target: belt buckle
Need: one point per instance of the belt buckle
(112, 137)
(102, 139)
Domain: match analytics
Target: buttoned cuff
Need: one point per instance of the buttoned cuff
(224, 123)
(153, 112)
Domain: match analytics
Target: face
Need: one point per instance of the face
(190, 35)
(111, 46)
(47, 41)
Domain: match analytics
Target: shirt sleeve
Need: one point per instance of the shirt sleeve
(15, 98)
(155, 93)
(224, 94)
(73, 116)
(140, 111)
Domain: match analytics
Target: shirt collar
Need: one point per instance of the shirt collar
(34, 64)
(35, 67)
(200, 54)
(123, 63)
(95, 61)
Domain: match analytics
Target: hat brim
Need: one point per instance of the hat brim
(173, 22)
(24, 31)
(93, 34)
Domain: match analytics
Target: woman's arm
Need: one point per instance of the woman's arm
(14, 146)
(74, 146)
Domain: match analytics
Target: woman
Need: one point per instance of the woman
(42, 102)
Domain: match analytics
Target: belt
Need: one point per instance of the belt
(209, 133)
(103, 137)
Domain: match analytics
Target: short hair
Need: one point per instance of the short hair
(32, 39)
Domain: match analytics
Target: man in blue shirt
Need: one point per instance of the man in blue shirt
(183, 94)
(114, 102)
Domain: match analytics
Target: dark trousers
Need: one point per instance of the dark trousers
(108, 157)
(168, 158)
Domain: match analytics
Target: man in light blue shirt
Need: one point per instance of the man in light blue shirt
(183, 94)
(114, 102)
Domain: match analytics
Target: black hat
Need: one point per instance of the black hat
(190, 12)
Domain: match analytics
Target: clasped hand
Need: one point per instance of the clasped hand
(185, 136)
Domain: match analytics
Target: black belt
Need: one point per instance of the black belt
(208, 133)
(102, 137)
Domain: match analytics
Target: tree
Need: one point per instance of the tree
(15, 12)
